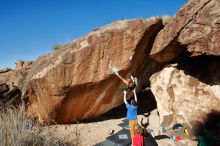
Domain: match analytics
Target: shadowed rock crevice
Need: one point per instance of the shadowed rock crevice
(149, 66)
(173, 50)
(204, 68)
(10, 95)
(146, 104)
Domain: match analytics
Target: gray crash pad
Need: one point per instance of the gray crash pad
(121, 138)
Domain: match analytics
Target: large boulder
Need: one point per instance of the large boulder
(186, 93)
(195, 28)
(76, 82)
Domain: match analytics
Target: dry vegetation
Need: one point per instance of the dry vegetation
(18, 130)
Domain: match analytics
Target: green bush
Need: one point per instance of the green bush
(57, 47)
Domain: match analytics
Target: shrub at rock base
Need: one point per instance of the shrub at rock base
(17, 130)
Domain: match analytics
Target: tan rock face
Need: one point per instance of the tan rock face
(183, 98)
(76, 82)
(10, 76)
(202, 34)
(195, 28)
(15, 77)
(23, 65)
(11, 82)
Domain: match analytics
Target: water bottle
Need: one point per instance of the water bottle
(186, 132)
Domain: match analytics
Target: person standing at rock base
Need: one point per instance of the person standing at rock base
(138, 139)
(131, 112)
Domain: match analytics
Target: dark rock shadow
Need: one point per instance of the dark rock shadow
(208, 131)
(146, 103)
(10, 96)
(205, 68)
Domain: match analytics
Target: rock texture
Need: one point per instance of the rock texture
(189, 91)
(11, 82)
(195, 27)
(10, 95)
(12, 77)
(23, 65)
(15, 77)
(202, 33)
(76, 82)
(183, 98)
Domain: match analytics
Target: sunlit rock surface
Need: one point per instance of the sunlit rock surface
(187, 93)
(194, 28)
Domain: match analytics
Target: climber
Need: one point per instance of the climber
(131, 112)
(130, 82)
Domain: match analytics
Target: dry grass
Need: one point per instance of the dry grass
(18, 130)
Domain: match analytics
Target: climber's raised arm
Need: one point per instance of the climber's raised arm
(124, 80)
(135, 95)
(125, 101)
(132, 78)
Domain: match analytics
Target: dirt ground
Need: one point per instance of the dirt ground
(92, 133)
(95, 131)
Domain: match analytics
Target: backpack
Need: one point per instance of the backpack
(138, 140)
(149, 140)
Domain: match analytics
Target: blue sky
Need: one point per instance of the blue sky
(29, 28)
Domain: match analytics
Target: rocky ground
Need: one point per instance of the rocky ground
(93, 133)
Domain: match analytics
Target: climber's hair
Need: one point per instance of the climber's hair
(133, 102)
(138, 129)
